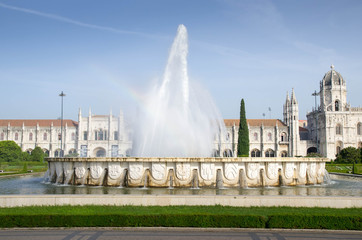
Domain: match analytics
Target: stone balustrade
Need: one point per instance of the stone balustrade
(186, 172)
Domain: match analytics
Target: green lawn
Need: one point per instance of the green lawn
(343, 168)
(18, 167)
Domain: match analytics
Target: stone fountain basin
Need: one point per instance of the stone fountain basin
(186, 172)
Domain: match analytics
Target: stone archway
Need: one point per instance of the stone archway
(99, 152)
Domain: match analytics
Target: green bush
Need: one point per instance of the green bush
(302, 221)
(37, 155)
(10, 151)
(349, 155)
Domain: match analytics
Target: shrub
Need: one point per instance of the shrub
(349, 155)
(10, 151)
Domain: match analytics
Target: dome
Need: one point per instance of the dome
(333, 77)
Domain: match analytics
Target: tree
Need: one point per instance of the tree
(349, 155)
(37, 155)
(243, 139)
(10, 151)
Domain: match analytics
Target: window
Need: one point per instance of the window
(114, 152)
(255, 153)
(269, 153)
(57, 153)
(339, 146)
(339, 129)
(227, 136)
(284, 154)
(99, 135)
(115, 135)
(283, 137)
(59, 136)
(45, 136)
(359, 129)
(85, 135)
(73, 136)
(336, 106)
(16, 136)
(269, 136)
(83, 150)
(255, 136)
(30, 136)
(2, 136)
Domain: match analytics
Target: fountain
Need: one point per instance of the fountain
(176, 138)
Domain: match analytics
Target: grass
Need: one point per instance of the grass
(11, 168)
(343, 168)
(181, 216)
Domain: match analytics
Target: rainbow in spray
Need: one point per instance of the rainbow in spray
(180, 118)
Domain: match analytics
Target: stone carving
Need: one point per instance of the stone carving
(289, 170)
(272, 171)
(231, 170)
(253, 170)
(114, 171)
(135, 170)
(302, 170)
(183, 171)
(79, 172)
(96, 171)
(68, 169)
(158, 171)
(207, 171)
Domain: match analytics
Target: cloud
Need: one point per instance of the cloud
(78, 23)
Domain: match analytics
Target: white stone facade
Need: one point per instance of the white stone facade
(334, 125)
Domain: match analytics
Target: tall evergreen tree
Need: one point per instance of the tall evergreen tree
(243, 139)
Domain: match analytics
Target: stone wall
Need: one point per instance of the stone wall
(186, 172)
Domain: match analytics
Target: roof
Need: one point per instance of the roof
(302, 129)
(255, 122)
(34, 122)
(333, 77)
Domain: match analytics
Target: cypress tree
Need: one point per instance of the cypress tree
(243, 139)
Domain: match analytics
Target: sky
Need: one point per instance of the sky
(106, 55)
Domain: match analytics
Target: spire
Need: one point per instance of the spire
(90, 112)
(293, 98)
(287, 100)
(80, 112)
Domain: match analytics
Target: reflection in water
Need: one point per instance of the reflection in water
(35, 185)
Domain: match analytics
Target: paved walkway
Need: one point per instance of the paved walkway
(173, 233)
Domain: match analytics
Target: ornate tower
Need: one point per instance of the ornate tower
(294, 138)
(333, 92)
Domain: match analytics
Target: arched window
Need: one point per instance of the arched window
(228, 153)
(255, 153)
(269, 136)
(284, 154)
(359, 129)
(73, 136)
(16, 136)
(269, 153)
(99, 135)
(283, 137)
(339, 146)
(45, 136)
(57, 153)
(255, 136)
(30, 136)
(215, 153)
(336, 106)
(339, 129)
(227, 136)
(2, 136)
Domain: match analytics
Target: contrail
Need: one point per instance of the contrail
(78, 23)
